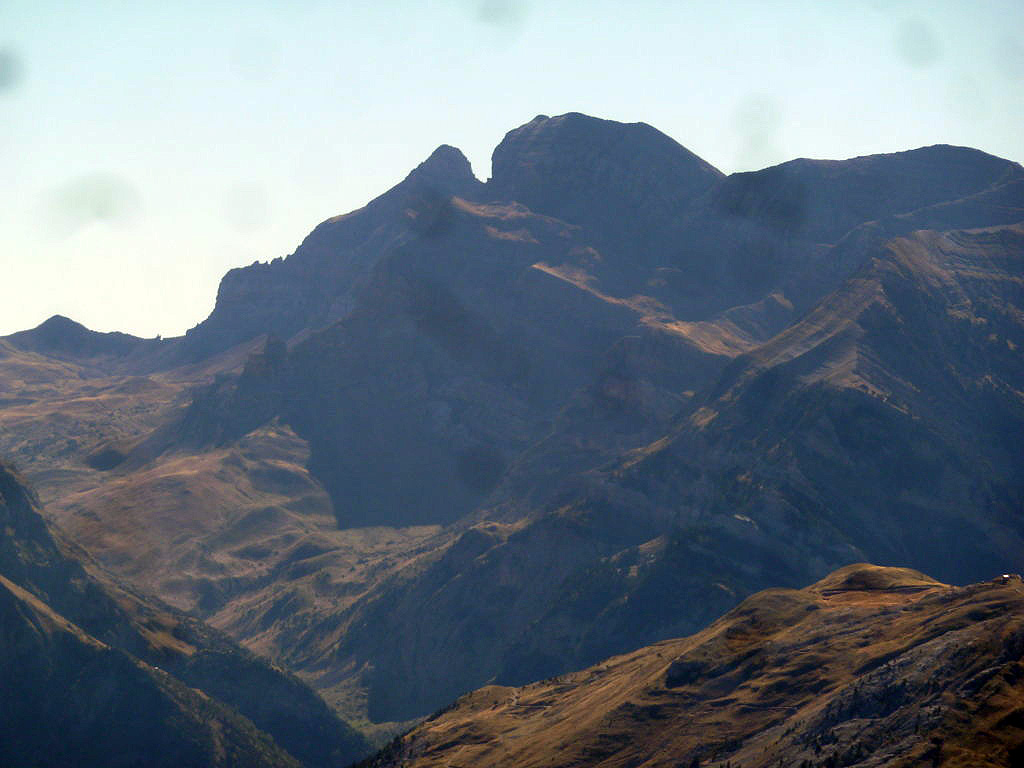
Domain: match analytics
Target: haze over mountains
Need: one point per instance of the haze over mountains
(494, 432)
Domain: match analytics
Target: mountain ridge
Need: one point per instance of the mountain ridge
(868, 666)
(450, 421)
(153, 655)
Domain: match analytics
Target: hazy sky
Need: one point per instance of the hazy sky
(146, 148)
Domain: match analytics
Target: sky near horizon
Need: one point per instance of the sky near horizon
(146, 148)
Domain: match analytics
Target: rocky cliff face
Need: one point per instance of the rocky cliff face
(320, 282)
(626, 185)
(889, 405)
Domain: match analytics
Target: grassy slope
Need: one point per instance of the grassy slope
(874, 666)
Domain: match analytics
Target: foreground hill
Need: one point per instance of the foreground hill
(496, 431)
(94, 674)
(75, 701)
(868, 667)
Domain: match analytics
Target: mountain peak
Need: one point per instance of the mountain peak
(446, 168)
(57, 331)
(60, 334)
(537, 145)
(822, 200)
(865, 577)
(622, 182)
(61, 323)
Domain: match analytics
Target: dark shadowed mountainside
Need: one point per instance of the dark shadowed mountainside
(865, 429)
(95, 674)
(62, 337)
(625, 184)
(320, 282)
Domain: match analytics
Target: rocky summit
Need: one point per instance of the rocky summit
(495, 431)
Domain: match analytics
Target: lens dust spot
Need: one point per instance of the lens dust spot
(757, 122)
(916, 44)
(93, 198)
(501, 13)
(10, 70)
(246, 207)
(256, 59)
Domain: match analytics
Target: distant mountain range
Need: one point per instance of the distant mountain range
(491, 432)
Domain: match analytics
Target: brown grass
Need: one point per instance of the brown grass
(763, 680)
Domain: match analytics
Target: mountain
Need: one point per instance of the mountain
(882, 425)
(320, 282)
(889, 413)
(75, 701)
(494, 431)
(798, 229)
(96, 674)
(63, 337)
(869, 666)
(624, 184)
(822, 200)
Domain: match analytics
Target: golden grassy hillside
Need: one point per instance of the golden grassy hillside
(870, 666)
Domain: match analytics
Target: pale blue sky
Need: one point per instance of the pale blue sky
(146, 148)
